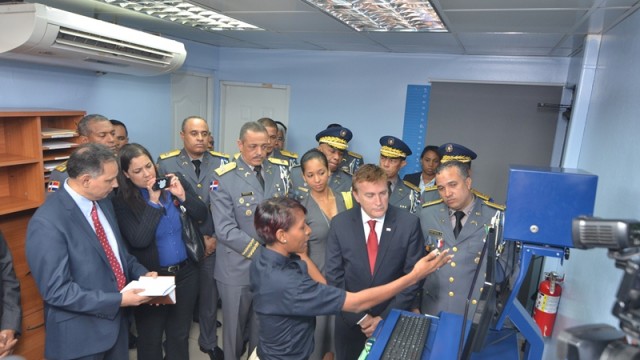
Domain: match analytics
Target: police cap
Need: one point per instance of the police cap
(456, 152)
(392, 147)
(337, 137)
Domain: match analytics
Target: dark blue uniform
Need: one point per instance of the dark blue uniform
(287, 301)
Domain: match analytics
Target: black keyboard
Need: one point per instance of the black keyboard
(408, 338)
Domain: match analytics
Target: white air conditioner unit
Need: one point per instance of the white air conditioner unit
(38, 33)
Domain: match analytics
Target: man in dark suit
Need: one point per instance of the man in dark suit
(80, 263)
(10, 309)
(370, 245)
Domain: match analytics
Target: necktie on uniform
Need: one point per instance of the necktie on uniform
(102, 237)
(459, 215)
(197, 163)
(372, 245)
(389, 187)
(258, 169)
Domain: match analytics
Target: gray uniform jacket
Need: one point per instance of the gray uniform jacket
(447, 289)
(405, 196)
(235, 195)
(340, 181)
(178, 161)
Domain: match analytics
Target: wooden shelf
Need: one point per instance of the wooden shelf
(22, 191)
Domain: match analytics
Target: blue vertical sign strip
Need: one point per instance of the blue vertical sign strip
(414, 131)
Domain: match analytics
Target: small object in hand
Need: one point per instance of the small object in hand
(161, 183)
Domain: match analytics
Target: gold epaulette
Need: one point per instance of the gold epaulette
(411, 186)
(236, 155)
(250, 249)
(431, 188)
(354, 154)
(219, 154)
(169, 154)
(62, 167)
(277, 161)
(481, 195)
(226, 168)
(434, 202)
(348, 199)
(495, 206)
(288, 153)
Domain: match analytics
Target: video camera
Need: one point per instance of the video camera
(622, 238)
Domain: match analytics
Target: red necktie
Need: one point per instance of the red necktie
(372, 245)
(102, 236)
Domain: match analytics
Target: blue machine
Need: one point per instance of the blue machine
(541, 203)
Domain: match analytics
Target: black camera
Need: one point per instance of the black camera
(161, 183)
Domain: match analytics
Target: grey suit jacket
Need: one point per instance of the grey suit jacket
(174, 162)
(448, 288)
(235, 196)
(10, 309)
(347, 262)
(77, 284)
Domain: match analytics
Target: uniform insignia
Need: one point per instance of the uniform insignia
(250, 249)
(433, 232)
(431, 188)
(354, 154)
(481, 195)
(288, 153)
(277, 161)
(62, 167)
(303, 189)
(53, 186)
(449, 148)
(434, 202)
(250, 193)
(241, 200)
(226, 168)
(343, 133)
(411, 186)
(169, 154)
(236, 155)
(214, 185)
(219, 154)
(390, 141)
(248, 212)
(495, 206)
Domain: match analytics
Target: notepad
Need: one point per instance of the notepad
(161, 288)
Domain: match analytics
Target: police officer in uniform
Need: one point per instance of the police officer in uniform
(92, 128)
(237, 189)
(196, 165)
(332, 142)
(351, 160)
(457, 222)
(452, 152)
(272, 150)
(393, 157)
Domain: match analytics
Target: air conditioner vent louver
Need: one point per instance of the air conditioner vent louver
(92, 42)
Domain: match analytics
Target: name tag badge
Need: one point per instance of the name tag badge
(435, 233)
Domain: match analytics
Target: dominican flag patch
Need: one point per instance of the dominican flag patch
(214, 185)
(53, 186)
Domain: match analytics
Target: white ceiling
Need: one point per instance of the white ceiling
(476, 27)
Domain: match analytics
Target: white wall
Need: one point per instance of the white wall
(366, 92)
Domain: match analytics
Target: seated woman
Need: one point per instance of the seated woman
(149, 219)
(289, 291)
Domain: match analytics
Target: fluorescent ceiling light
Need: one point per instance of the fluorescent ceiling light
(384, 15)
(184, 13)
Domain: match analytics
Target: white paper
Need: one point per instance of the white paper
(159, 286)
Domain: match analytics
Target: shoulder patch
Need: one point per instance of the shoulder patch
(481, 195)
(226, 168)
(434, 202)
(354, 154)
(431, 188)
(495, 206)
(288, 153)
(411, 186)
(170, 154)
(278, 161)
(219, 154)
(62, 167)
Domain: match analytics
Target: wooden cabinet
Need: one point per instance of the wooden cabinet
(31, 143)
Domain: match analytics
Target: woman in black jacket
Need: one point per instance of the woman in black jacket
(149, 219)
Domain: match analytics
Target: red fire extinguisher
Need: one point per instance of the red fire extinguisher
(547, 302)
